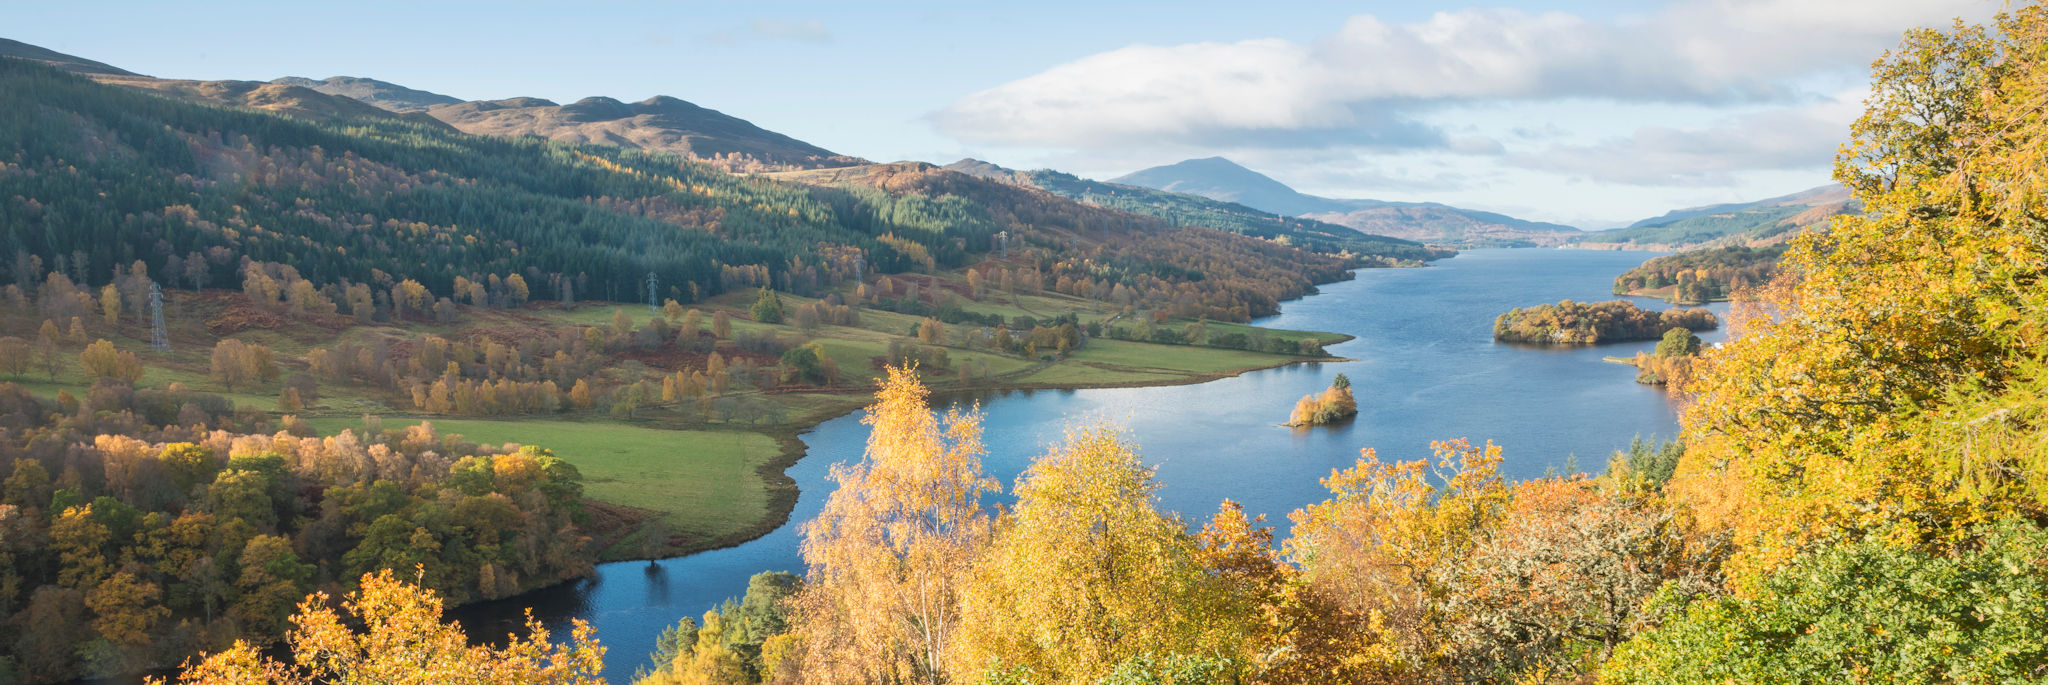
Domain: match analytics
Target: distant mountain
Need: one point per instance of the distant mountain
(1182, 209)
(659, 123)
(1760, 223)
(371, 91)
(1221, 179)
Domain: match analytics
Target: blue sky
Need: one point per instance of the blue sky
(1592, 112)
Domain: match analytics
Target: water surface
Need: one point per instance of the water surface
(1424, 368)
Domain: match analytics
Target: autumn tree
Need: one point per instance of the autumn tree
(693, 323)
(1393, 541)
(622, 325)
(237, 364)
(409, 295)
(101, 360)
(931, 332)
(888, 554)
(579, 394)
(110, 303)
(15, 356)
(1332, 404)
(1905, 350)
(1084, 576)
(401, 640)
(721, 325)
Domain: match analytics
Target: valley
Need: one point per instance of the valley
(500, 362)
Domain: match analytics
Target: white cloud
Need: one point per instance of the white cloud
(1776, 139)
(1372, 84)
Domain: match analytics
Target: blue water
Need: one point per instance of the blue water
(1424, 368)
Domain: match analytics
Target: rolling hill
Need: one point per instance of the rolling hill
(1184, 209)
(108, 177)
(660, 123)
(1756, 224)
(1221, 179)
(71, 63)
(278, 98)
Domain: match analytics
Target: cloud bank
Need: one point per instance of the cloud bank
(1373, 84)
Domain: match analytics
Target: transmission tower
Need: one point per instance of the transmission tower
(1003, 243)
(653, 307)
(159, 339)
(860, 267)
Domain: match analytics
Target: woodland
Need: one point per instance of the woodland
(1860, 492)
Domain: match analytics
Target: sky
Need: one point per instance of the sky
(1593, 113)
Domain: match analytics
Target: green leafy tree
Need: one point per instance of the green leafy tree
(1867, 611)
(767, 307)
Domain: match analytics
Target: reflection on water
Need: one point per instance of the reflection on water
(1424, 368)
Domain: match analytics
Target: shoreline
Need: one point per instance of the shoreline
(783, 491)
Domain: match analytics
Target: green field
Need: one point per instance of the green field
(707, 470)
(704, 480)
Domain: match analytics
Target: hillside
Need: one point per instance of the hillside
(373, 92)
(1093, 247)
(153, 179)
(657, 124)
(1221, 179)
(1184, 209)
(278, 98)
(20, 50)
(1757, 224)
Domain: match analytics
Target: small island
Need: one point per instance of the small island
(1574, 323)
(1701, 276)
(1332, 405)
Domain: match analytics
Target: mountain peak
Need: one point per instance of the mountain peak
(1218, 178)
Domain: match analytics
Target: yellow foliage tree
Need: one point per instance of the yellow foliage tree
(1921, 318)
(1084, 574)
(402, 641)
(1389, 543)
(889, 552)
(110, 303)
(101, 360)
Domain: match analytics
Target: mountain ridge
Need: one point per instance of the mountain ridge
(1758, 223)
(1219, 178)
(1187, 209)
(659, 124)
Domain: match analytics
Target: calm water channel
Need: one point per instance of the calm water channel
(1425, 368)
